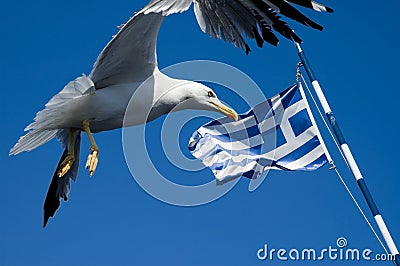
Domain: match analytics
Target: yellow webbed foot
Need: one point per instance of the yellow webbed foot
(92, 160)
(66, 164)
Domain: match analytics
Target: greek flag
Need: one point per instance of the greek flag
(279, 133)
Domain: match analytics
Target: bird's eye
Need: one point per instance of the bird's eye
(211, 94)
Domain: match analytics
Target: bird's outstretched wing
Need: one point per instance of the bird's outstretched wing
(131, 54)
(234, 20)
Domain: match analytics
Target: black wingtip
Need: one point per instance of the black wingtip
(247, 49)
(45, 220)
(258, 38)
(329, 10)
(319, 27)
(52, 201)
(51, 204)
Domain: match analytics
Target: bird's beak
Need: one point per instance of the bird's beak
(229, 112)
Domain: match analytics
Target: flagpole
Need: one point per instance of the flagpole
(349, 157)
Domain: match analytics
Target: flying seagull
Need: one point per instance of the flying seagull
(97, 102)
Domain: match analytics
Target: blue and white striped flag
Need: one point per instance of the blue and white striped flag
(279, 133)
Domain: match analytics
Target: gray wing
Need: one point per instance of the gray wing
(131, 54)
(235, 20)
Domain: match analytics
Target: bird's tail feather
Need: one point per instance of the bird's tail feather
(32, 140)
(60, 186)
(47, 122)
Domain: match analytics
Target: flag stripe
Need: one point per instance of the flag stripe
(300, 151)
(306, 160)
(288, 147)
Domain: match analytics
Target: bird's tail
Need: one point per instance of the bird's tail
(32, 140)
(47, 121)
(60, 186)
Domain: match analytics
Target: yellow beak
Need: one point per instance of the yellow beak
(226, 110)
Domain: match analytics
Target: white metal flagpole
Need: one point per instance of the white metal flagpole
(350, 158)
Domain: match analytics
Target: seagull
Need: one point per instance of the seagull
(98, 102)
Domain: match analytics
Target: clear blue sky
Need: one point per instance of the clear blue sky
(110, 220)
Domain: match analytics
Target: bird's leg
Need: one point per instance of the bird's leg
(93, 157)
(66, 164)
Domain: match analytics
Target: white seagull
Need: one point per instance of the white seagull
(98, 102)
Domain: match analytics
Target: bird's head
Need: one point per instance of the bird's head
(194, 95)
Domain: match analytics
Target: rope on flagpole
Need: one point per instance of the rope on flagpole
(337, 171)
(322, 117)
(352, 164)
(320, 113)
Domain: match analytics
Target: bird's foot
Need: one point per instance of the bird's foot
(92, 160)
(66, 164)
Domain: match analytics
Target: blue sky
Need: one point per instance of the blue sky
(110, 220)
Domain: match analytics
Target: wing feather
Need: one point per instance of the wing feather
(232, 20)
(312, 4)
(131, 54)
(289, 11)
(167, 7)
